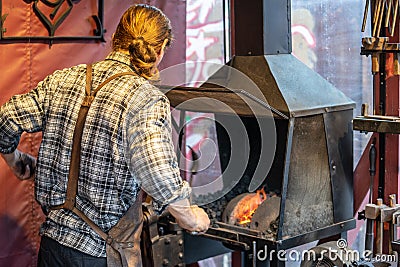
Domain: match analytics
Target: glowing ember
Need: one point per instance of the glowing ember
(248, 205)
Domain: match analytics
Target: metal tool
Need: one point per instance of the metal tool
(395, 9)
(379, 231)
(372, 168)
(195, 164)
(375, 18)
(365, 15)
(369, 234)
(393, 226)
(389, 9)
(254, 262)
(380, 19)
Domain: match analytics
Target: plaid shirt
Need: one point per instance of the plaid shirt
(126, 145)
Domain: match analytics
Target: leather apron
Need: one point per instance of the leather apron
(123, 244)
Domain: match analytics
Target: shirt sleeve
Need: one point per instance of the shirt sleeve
(151, 155)
(22, 113)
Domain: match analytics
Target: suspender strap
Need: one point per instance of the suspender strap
(90, 223)
(72, 184)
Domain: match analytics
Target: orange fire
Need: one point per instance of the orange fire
(248, 205)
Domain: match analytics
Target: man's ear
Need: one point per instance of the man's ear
(161, 54)
(164, 45)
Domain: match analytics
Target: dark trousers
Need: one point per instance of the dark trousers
(53, 254)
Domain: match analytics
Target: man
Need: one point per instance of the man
(125, 147)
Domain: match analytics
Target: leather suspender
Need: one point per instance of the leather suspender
(72, 186)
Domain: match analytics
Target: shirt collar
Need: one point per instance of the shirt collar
(119, 56)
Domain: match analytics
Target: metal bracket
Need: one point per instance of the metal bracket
(53, 22)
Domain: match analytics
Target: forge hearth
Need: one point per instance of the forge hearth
(260, 212)
(257, 211)
(241, 209)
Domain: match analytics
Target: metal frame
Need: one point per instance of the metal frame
(51, 28)
(382, 136)
(285, 180)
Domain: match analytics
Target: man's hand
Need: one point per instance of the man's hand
(23, 165)
(189, 217)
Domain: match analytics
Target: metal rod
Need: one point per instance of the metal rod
(393, 226)
(382, 9)
(369, 235)
(396, 7)
(174, 125)
(372, 168)
(376, 17)
(50, 38)
(241, 245)
(260, 102)
(379, 231)
(254, 253)
(181, 134)
(389, 9)
(365, 15)
(285, 180)
(382, 136)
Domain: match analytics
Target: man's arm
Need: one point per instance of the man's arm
(152, 160)
(25, 112)
(22, 113)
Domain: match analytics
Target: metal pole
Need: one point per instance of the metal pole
(254, 253)
(369, 233)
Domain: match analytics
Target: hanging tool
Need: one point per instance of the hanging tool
(393, 223)
(376, 17)
(380, 19)
(372, 167)
(388, 11)
(195, 164)
(365, 16)
(379, 230)
(369, 234)
(396, 7)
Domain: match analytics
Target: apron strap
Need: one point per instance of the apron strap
(72, 185)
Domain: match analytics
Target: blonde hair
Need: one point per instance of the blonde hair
(142, 31)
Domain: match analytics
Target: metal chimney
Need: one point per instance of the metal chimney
(261, 27)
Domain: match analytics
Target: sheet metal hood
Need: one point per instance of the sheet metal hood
(290, 86)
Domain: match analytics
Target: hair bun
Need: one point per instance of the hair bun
(138, 47)
(141, 50)
(140, 39)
